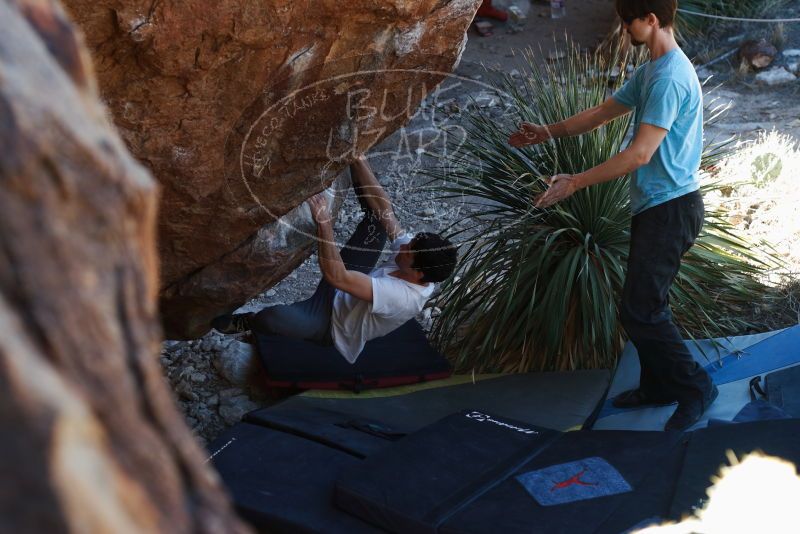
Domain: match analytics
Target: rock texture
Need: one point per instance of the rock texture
(242, 109)
(775, 76)
(262, 260)
(92, 441)
(757, 54)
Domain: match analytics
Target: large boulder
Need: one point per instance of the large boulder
(242, 109)
(91, 439)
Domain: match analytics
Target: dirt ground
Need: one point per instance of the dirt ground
(587, 25)
(211, 403)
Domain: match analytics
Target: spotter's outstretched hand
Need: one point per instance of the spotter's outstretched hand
(561, 186)
(528, 134)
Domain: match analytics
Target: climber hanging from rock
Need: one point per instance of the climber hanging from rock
(356, 301)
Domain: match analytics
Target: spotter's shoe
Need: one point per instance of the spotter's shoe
(689, 412)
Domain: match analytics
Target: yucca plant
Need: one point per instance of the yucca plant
(538, 289)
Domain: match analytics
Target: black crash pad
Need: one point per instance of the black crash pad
(419, 482)
(783, 389)
(403, 356)
(280, 473)
(585, 481)
(707, 452)
(560, 401)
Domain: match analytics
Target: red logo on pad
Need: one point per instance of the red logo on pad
(573, 481)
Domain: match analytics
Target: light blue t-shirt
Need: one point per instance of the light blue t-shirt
(666, 93)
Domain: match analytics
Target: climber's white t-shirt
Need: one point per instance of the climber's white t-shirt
(394, 302)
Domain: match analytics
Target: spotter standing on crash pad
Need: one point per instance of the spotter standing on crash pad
(667, 207)
(355, 301)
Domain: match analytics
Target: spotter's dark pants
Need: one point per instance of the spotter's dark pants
(660, 236)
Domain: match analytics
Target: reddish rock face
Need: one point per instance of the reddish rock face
(92, 440)
(242, 109)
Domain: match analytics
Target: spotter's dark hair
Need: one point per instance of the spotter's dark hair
(664, 10)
